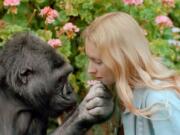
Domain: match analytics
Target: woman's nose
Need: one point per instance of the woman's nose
(91, 68)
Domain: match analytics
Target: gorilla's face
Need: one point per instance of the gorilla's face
(37, 74)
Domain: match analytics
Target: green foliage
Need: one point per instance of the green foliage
(170, 55)
(81, 13)
(175, 14)
(66, 48)
(8, 30)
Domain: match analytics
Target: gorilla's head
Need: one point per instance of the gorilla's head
(36, 74)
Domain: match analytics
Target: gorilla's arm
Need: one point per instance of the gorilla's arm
(96, 107)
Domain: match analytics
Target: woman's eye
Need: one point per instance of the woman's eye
(98, 62)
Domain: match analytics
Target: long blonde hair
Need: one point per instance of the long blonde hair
(123, 48)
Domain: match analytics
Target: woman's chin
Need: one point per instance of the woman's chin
(106, 83)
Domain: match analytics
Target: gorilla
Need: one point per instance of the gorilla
(34, 87)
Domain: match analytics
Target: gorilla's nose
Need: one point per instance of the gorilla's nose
(67, 90)
(67, 69)
(68, 93)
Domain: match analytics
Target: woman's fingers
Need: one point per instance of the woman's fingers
(97, 91)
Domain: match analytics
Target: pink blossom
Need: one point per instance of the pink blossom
(53, 13)
(49, 19)
(170, 3)
(49, 13)
(44, 11)
(163, 21)
(92, 82)
(11, 2)
(70, 27)
(55, 43)
(133, 2)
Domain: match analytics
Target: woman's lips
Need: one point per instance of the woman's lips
(98, 78)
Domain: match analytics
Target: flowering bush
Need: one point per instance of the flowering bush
(164, 21)
(133, 2)
(60, 22)
(70, 29)
(49, 14)
(55, 43)
(11, 2)
(169, 3)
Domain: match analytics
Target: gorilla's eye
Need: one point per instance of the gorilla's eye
(26, 72)
(62, 79)
(58, 64)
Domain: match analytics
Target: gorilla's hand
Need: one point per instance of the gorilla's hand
(97, 106)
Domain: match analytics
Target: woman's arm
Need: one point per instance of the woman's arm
(165, 119)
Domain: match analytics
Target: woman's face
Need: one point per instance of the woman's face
(97, 68)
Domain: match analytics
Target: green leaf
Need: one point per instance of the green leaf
(44, 34)
(63, 17)
(81, 61)
(82, 76)
(21, 18)
(65, 49)
(167, 33)
(8, 31)
(72, 79)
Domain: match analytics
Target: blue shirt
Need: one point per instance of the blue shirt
(166, 117)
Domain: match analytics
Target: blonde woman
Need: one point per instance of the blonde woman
(149, 93)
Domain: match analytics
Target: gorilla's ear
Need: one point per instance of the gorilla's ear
(25, 74)
(2, 69)
(2, 74)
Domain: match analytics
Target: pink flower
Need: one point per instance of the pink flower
(49, 19)
(49, 13)
(169, 3)
(44, 11)
(11, 2)
(163, 21)
(55, 43)
(133, 2)
(70, 27)
(92, 82)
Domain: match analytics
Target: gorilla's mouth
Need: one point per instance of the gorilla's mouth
(70, 108)
(58, 107)
(63, 100)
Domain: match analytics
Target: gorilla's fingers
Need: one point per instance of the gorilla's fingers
(98, 111)
(95, 102)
